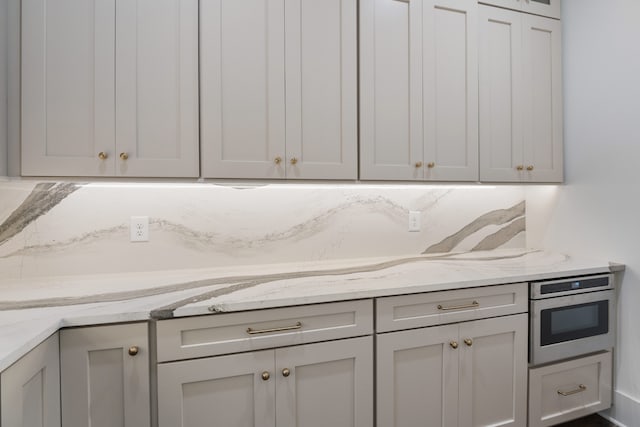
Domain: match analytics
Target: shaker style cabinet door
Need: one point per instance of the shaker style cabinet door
(520, 97)
(242, 88)
(30, 388)
(493, 372)
(110, 88)
(279, 89)
(325, 384)
(68, 87)
(501, 95)
(105, 376)
(541, 39)
(157, 88)
(236, 390)
(417, 378)
(321, 89)
(418, 90)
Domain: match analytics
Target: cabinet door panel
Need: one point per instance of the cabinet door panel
(493, 372)
(321, 88)
(68, 99)
(243, 88)
(501, 95)
(101, 384)
(543, 104)
(450, 68)
(224, 391)
(30, 388)
(330, 384)
(157, 87)
(390, 90)
(417, 378)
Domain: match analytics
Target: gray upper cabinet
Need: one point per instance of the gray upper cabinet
(418, 90)
(110, 88)
(520, 97)
(279, 89)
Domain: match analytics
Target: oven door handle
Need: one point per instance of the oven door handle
(580, 389)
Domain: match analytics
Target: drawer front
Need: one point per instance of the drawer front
(203, 336)
(568, 390)
(434, 308)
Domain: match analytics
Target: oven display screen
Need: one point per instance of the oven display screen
(573, 322)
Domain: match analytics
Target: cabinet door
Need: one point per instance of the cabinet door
(326, 384)
(543, 99)
(30, 388)
(321, 87)
(501, 95)
(242, 88)
(418, 90)
(68, 94)
(493, 372)
(103, 383)
(221, 391)
(417, 378)
(450, 79)
(157, 88)
(391, 90)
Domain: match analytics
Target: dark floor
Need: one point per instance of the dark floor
(590, 421)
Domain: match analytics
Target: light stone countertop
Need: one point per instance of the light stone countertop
(32, 310)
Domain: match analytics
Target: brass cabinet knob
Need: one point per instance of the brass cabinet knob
(530, 168)
(124, 156)
(265, 376)
(431, 165)
(468, 342)
(519, 167)
(286, 372)
(453, 344)
(133, 350)
(418, 165)
(277, 160)
(102, 155)
(293, 160)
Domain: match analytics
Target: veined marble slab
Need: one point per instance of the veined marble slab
(74, 301)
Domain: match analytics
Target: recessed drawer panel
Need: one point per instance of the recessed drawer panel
(434, 308)
(568, 390)
(203, 336)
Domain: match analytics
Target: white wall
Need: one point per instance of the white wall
(4, 11)
(597, 212)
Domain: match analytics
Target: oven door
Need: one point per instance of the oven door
(570, 326)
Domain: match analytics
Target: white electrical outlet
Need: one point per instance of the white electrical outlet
(414, 220)
(139, 229)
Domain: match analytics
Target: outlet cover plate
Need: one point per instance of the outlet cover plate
(139, 229)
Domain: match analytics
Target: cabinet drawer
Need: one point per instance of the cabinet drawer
(415, 311)
(569, 390)
(203, 336)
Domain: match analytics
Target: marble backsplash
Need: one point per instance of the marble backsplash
(61, 228)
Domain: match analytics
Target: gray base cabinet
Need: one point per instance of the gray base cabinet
(105, 376)
(30, 388)
(312, 385)
(468, 374)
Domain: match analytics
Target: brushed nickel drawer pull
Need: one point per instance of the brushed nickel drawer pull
(250, 331)
(580, 389)
(459, 307)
